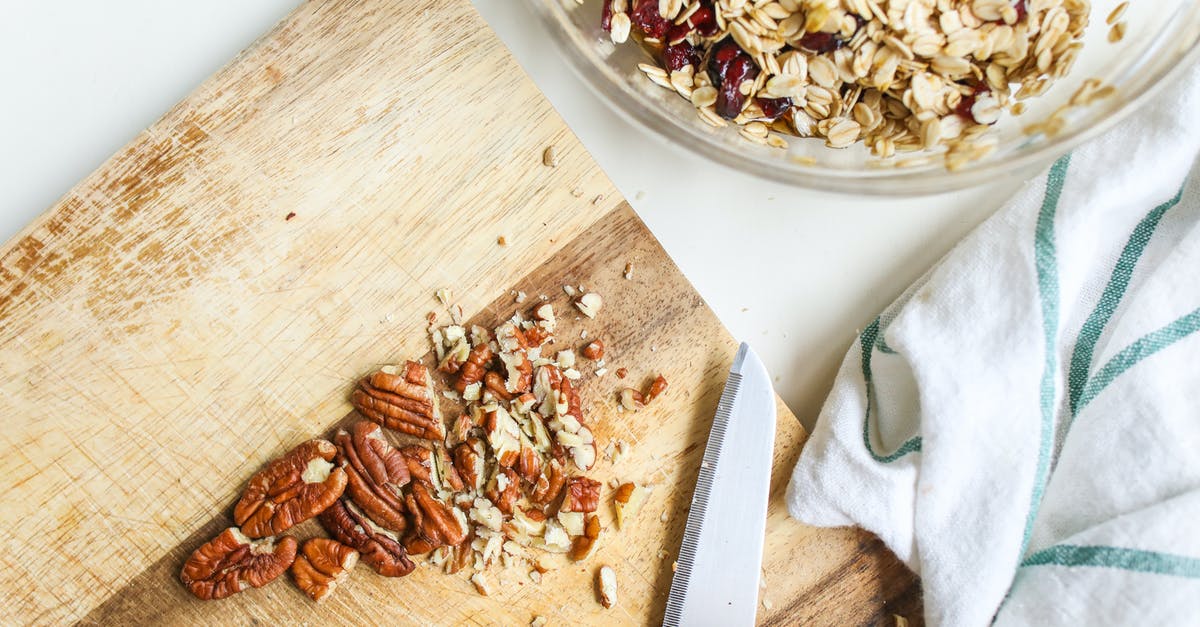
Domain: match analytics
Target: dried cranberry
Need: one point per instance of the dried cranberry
(728, 67)
(606, 14)
(1022, 8)
(822, 43)
(774, 107)
(677, 33)
(645, 16)
(968, 102)
(681, 54)
(704, 20)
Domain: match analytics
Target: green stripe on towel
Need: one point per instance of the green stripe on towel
(1110, 300)
(867, 341)
(1046, 259)
(1134, 560)
(1144, 347)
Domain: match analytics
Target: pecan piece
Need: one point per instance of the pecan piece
(401, 401)
(504, 490)
(583, 546)
(583, 495)
(447, 475)
(469, 462)
(380, 548)
(549, 485)
(627, 501)
(434, 523)
(537, 336)
(594, 350)
(503, 434)
(519, 373)
(322, 565)
(606, 587)
(495, 384)
(376, 471)
(290, 490)
(229, 562)
(476, 365)
(529, 462)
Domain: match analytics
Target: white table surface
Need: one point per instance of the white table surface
(794, 272)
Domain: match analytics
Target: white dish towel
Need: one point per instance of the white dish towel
(1022, 427)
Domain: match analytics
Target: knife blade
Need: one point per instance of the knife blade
(717, 573)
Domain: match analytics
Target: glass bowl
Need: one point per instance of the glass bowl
(1161, 39)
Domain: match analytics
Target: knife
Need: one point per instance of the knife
(716, 576)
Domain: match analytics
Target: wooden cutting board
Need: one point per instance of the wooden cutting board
(204, 301)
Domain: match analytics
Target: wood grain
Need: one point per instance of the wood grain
(165, 328)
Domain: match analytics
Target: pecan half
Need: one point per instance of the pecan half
(549, 485)
(322, 565)
(290, 490)
(476, 365)
(380, 548)
(402, 401)
(434, 523)
(583, 495)
(375, 472)
(229, 562)
(504, 490)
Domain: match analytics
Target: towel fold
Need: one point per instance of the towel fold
(1022, 427)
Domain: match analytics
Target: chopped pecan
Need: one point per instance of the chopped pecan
(290, 490)
(537, 336)
(529, 462)
(627, 500)
(503, 434)
(632, 400)
(549, 485)
(494, 383)
(376, 471)
(583, 546)
(460, 557)
(606, 586)
(322, 565)
(469, 462)
(583, 495)
(594, 350)
(434, 523)
(446, 473)
(460, 429)
(511, 338)
(656, 388)
(402, 402)
(504, 490)
(569, 395)
(476, 365)
(380, 548)
(229, 562)
(518, 373)
(452, 348)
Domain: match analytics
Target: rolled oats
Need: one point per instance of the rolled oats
(897, 75)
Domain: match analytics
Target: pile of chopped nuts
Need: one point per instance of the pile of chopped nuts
(494, 481)
(897, 75)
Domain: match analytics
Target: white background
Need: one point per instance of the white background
(794, 272)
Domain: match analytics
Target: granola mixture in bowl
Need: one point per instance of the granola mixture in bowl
(875, 96)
